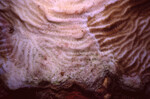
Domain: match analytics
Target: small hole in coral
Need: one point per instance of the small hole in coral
(44, 83)
(11, 30)
(62, 73)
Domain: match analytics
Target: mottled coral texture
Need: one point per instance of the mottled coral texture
(75, 47)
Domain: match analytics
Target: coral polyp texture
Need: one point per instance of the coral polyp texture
(63, 42)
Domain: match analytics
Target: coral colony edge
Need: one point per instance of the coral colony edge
(56, 44)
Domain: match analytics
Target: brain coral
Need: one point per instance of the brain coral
(63, 42)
